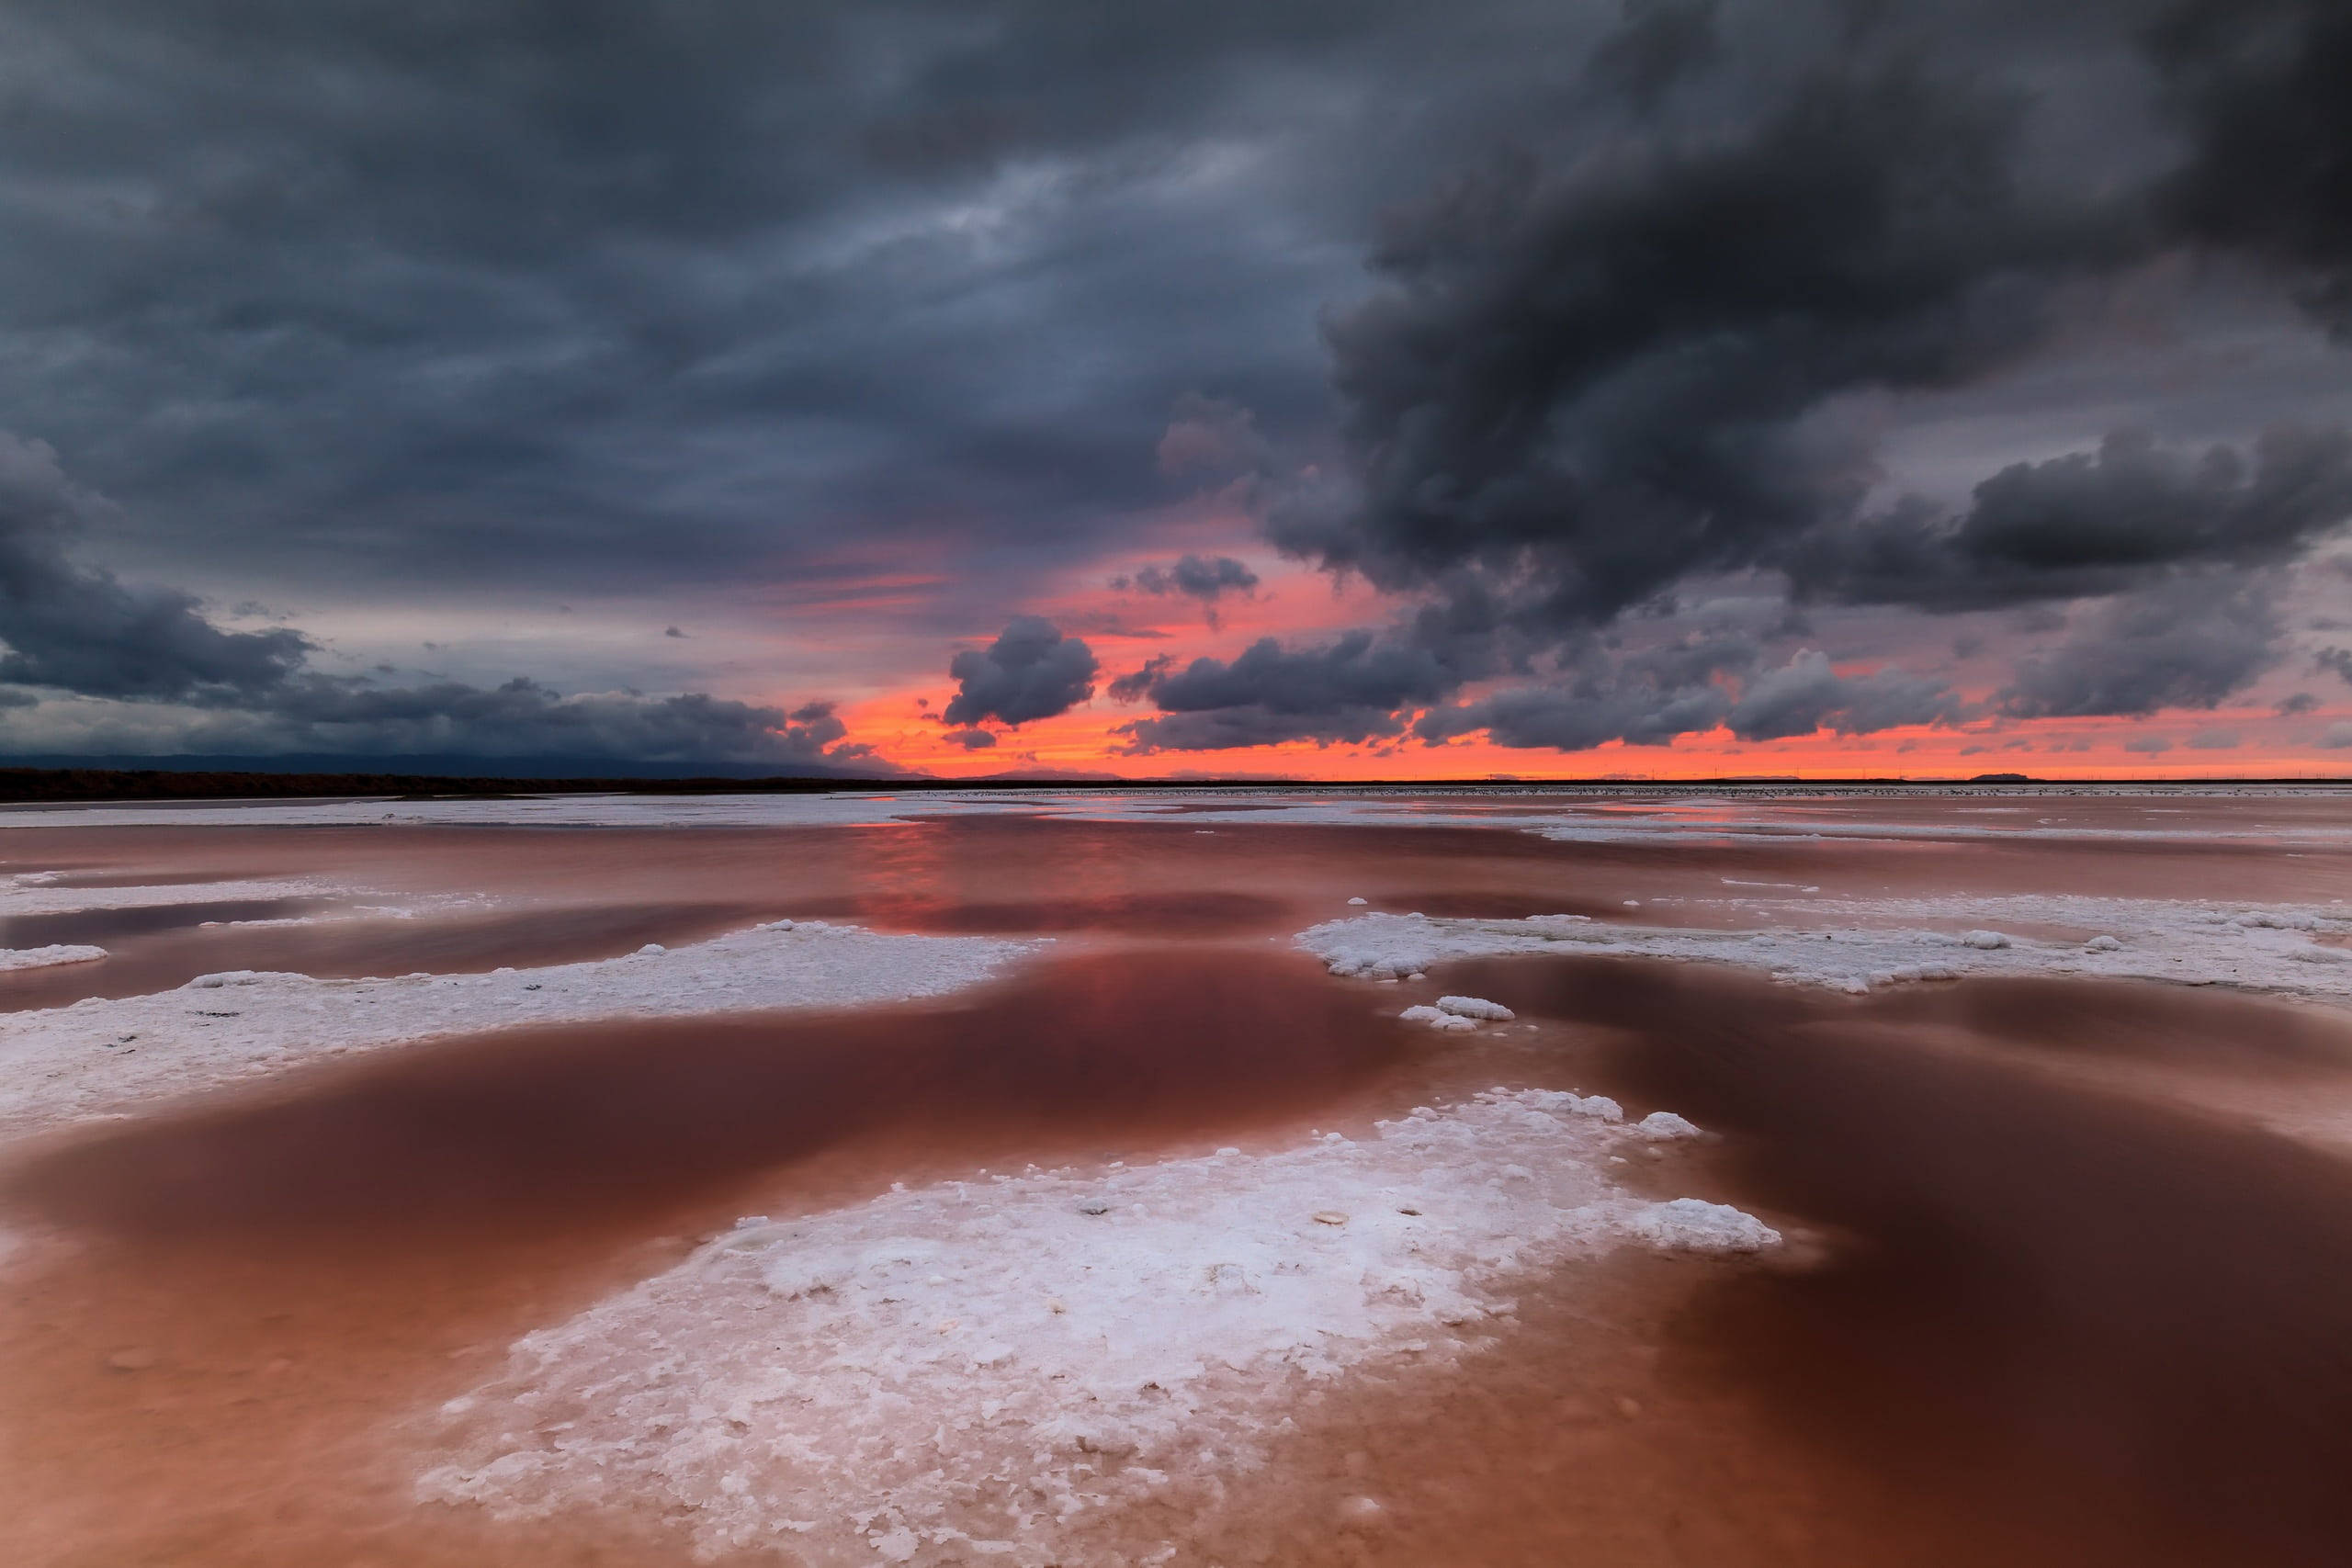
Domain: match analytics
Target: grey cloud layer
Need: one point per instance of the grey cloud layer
(599, 297)
(67, 629)
(600, 294)
(69, 625)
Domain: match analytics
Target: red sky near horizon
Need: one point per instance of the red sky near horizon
(2248, 738)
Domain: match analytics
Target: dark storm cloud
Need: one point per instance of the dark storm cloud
(1030, 672)
(1581, 384)
(1806, 694)
(2186, 643)
(2261, 85)
(75, 627)
(1660, 40)
(2092, 524)
(1590, 383)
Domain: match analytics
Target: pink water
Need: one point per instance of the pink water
(2049, 1307)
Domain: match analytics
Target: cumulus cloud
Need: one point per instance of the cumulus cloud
(1204, 577)
(1031, 672)
(1211, 437)
(1349, 691)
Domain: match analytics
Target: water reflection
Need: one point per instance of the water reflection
(558, 1121)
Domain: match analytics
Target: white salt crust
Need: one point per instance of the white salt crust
(2272, 950)
(39, 892)
(13, 958)
(101, 1056)
(1050, 1367)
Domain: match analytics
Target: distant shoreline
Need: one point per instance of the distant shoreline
(72, 785)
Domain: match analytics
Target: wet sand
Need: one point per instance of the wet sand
(536, 1125)
(2049, 1301)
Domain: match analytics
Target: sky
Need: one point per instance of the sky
(1348, 390)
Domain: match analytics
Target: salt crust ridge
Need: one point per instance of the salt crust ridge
(1010, 1369)
(15, 958)
(2261, 949)
(103, 1055)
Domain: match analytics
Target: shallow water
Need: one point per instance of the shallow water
(2053, 1297)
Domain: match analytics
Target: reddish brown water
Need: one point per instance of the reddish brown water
(2061, 1315)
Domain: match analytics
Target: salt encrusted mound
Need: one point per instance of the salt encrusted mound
(1476, 1007)
(104, 1054)
(1437, 1018)
(1661, 1126)
(1010, 1369)
(12, 958)
(1692, 1225)
(2271, 949)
